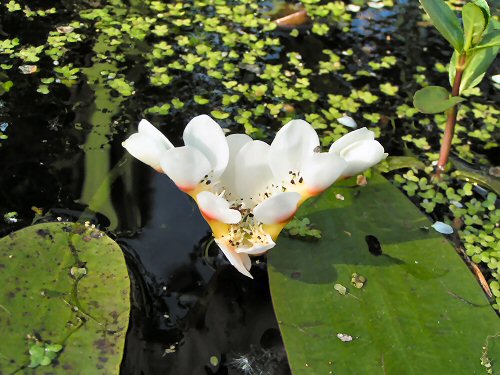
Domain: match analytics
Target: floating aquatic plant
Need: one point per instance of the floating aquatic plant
(246, 189)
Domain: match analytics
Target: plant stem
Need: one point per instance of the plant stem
(451, 118)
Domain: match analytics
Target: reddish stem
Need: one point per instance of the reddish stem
(451, 119)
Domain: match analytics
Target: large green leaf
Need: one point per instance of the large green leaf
(445, 21)
(62, 284)
(421, 311)
(434, 99)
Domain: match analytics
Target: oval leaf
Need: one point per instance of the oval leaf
(434, 99)
(445, 21)
(419, 296)
(64, 301)
(474, 24)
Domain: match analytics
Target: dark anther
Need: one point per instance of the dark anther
(301, 180)
(209, 182)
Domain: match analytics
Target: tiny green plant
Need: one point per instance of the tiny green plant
(475, 41)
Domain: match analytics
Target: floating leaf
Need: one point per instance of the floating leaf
(51, 308)
(420, 296)
(445, 21)
(219, 115)
(434, 99)
(393, 163)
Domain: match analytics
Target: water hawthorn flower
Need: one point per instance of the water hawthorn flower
(248, 190)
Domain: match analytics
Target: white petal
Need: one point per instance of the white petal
(257, 249)
(362, 155)
(145, 127)
(207, 136)
(217, 208)
(228, 178)
(348, 121)
(241, 262)
(146, 149)
(186, 166)
(443, 228)
(253, 173)
(293, 143)
(349, 138)
(321, 170)
(277, 209)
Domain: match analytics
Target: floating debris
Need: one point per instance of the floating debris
(3, 126)
(344, 337)
(443, 228)
(293, 20)
(341, 289)
(10, 217)
(28, 69)
(65, 29)
(494, 171)
(352, 8)
(358, 281)
(361, 180)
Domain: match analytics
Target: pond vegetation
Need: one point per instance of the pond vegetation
(76, 79)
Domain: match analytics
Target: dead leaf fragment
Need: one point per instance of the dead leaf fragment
(361, 180)
(28, 69)
(293, 20)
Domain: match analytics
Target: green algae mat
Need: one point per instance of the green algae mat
(380, 293)
(64, 301)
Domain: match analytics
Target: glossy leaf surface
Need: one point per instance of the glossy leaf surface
(445, 21)
(419, 311)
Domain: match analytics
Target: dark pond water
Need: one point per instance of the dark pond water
(188, 304)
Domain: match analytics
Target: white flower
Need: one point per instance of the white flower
(246, 189)
(359, 149)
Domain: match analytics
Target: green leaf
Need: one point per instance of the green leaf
(474, 24)
(219, 115)
(393, 163)
(445, 21)
(489, 40)
(483, 4)
(40, 298)
(434, 99)
(478, 63)
(419, 297)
